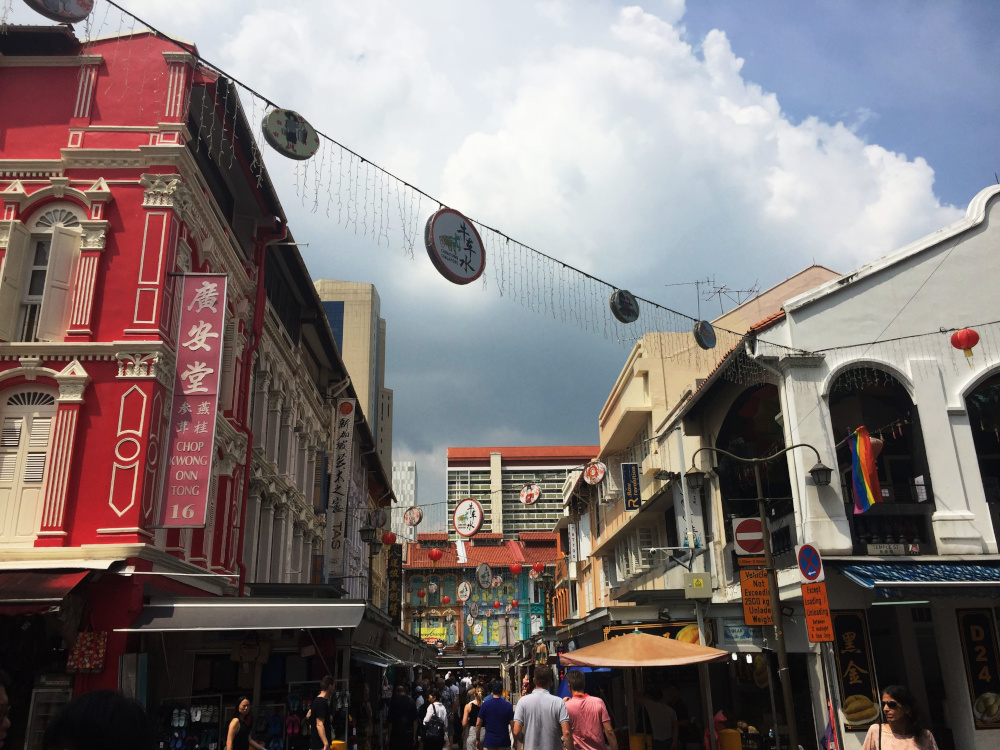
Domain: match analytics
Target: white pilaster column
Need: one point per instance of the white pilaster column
(263, 573)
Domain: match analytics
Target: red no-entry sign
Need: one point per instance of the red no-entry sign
(748, 536)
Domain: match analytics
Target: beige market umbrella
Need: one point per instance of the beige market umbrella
(641, 650)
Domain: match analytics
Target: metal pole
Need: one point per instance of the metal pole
(684, 494)
(784, 676)
(703, 678)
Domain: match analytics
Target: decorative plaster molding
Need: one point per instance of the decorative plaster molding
(50, 61)
(158, 365)
(73, 381)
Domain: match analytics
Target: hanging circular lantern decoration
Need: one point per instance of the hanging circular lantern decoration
(289, 134)
(64, 11)
(624, 306)
(497, 582)
(432, 588)
(388, 538)
(508, 609)
(515, 569)
(496, 604)
(378, 518)
(477, 629)
(538, 567)
(412, 516)
(704, 334)
(464, 591)
(513, 603)
(468, 517)
(594, 472)
(484, 576)
(435, 555)
(421, 594)
(446, 599)
(530, 494)
(454, 246)
(474, 610)
(965, 340)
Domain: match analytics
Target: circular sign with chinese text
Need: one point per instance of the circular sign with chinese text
(530, 494)
(412, 516)
(470, 620)
(468, 517)
(508, 609)
(497, 582)
(474, 610)
(64, 11)
(594, 472)
(624, 306)
(378, 518)
(464, 591)
(477, 629)
(289, 134)
(454, 246)
(484, 576)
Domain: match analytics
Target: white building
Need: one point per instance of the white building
(404, 484)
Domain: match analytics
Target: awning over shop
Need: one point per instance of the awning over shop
(891, 580)
(246, 614)
(372, 655)
(28, 592)
(641, 650)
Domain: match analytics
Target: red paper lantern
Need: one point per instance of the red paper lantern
(446, 599)
(496, 605)
(388, 538)
(539, 567)
(513, 603)
(965, 340)
(421, 593)
(435, 555)
(515, 569)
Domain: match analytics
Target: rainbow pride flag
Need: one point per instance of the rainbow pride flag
(864, 475)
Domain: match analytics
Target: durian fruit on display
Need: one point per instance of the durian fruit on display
(859, 709)
(687, 634)
(987, 708)
(760, 674)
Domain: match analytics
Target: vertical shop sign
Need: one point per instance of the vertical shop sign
(394, 576)
(819, 626)
(630, 486)
(340, 483)
(571, 534)
(547, 594)
(977, 630)
(858, 686)
(191, 438)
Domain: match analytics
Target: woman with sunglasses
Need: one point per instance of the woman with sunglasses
(903, 728)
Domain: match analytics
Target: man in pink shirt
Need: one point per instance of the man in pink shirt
(589, 721)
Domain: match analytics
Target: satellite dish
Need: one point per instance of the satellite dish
(704, 334)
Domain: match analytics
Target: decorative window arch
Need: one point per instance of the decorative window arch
(27, 418)
(36, 289)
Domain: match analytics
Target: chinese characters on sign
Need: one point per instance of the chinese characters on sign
(468, 517)
(188, 474)
(858, 686)
(340, 483)
(979, 649)
(630, 486)
(454, 246)
(394, 574)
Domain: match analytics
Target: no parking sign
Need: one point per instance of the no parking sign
(810, 563)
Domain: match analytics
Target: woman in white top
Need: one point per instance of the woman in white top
(435, 723)
(903, 728)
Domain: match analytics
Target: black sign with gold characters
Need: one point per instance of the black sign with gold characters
(858, 686)
(394, 578)
(977, 630)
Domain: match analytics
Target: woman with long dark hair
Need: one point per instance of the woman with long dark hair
(238, 736)
(904, 726)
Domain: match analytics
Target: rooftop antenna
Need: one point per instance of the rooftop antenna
(736, 296)
(697, 288)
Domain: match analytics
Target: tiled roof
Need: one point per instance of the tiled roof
(524, 455)
(433, 537)
(767, 322)
(501, 555)
(480, 536)
(416, 557)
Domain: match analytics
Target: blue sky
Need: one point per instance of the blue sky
(645, 144)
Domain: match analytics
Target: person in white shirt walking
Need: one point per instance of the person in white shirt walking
(541, 721)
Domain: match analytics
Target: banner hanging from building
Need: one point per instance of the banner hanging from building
(340, 483)
(394, 576)
(856, 671)
(188, 474)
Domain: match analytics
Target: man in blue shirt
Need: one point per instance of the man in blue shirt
(496, 716)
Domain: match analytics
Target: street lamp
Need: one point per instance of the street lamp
(368, 536)
(821, 476)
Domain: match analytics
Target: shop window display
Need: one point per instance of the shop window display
(192, 723)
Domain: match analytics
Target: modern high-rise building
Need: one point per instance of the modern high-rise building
(404, 484)
(354, 312)
(496, 476)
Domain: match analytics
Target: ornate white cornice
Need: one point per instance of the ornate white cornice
(158, 365)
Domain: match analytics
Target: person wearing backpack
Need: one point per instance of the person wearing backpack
(435, 723)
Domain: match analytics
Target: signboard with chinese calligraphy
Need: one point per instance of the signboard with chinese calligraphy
(630, 486)
(756, 590)
(571, 529)
(340, 483)
(454, 246)
(394, 574)
(188, 474)
(468, 517)
(855, 670)
(819, 626)
(977, 630)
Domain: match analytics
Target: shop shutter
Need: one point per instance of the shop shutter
(12, 280)
(11, 436)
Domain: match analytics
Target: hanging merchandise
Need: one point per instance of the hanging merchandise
(594, 472)
(464, 591)
(454, 246)
(624, 306)
(468, 517)
(64, 11)
(290, 134)
(965, 340)
(704, 334)
(484, 576)
(530, 494)
(412, 516)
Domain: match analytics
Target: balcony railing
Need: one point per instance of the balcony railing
(899, 525)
